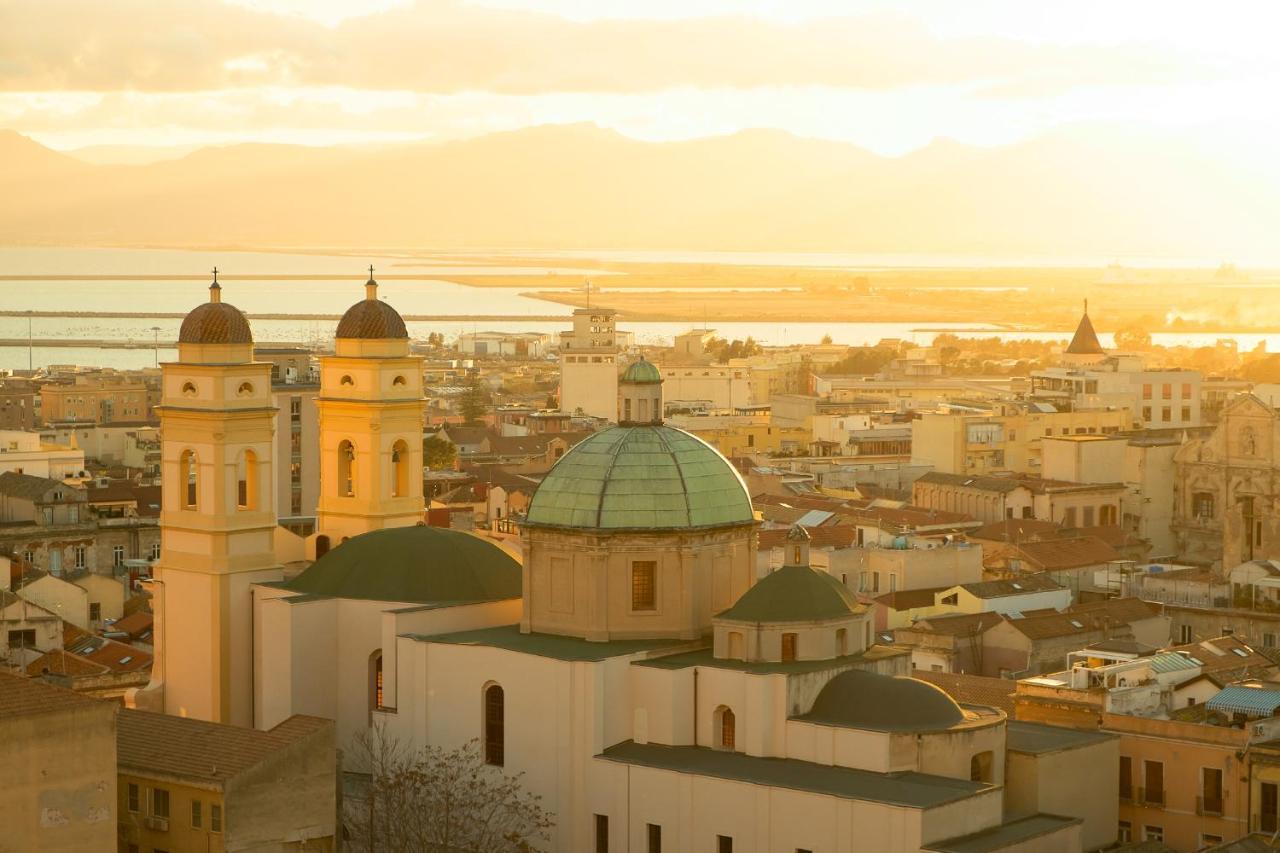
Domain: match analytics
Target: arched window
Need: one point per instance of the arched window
(399, 380)
(346, 469)
(735, 646)
(399, 469)
(842, 642)
(980, 767)
(188, 389)
(726, 728)
(494, 726)
(189, 473)
(322, 545)
(247, 481)
(245, 389)
(347, 380)
(375, 682)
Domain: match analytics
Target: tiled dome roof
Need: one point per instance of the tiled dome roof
(372, 319)
(215, 322)
(642, 373)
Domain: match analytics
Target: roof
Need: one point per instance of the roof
(119, 657)
(1037, 738)
(564, 648)
(1006, 836)
(908, 599)
(981, 483)
(909, 789)
(371, 319)
(1059, 554)
(972, 689)
(20, 697)
(705, 657)
(1021, 585)
(958, 624)
(1016, 530)
(868, 700)
(794, 594)
(1253, 701)
(186, 748)
(1224, 654)
(27, 486)
(215, 323)
(416, 564)
(642, 373)
(135, 624)
(827, 536)
(62, 662)
(1085, 340)
(641, 478)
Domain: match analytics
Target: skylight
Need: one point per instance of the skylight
(1077, 624)
(1241, 652)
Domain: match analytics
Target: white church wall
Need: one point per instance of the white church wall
(834, 746)
(663, 700)
(949, 753)
(963, 817)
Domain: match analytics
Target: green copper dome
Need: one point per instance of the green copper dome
(794, 594)
(641, 478)
(642, 373)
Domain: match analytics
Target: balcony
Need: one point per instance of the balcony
(1151, 797)
(1209, 805)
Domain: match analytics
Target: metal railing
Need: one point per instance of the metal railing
(1151, 797)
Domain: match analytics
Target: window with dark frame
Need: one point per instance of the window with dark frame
(644, 592)
(494, 726)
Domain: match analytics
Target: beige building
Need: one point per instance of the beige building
(58, 751)
(103, 398)
(297, 429)
(30, 453)
(1008, 439)
(186, 784)
(589, 364)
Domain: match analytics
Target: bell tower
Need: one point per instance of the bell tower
(217, 517)
(370, 409)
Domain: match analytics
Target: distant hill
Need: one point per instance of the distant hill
(578, 186)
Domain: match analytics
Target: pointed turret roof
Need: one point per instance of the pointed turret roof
(1085, 340)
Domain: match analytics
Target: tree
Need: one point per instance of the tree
(439, 800)
(826, 339)
(1132, 337)
(437, 453)
(474, 402)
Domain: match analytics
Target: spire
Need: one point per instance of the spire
(370, 286)
(1085, 340)
(215, 289)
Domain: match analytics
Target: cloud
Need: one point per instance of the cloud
(448, 46)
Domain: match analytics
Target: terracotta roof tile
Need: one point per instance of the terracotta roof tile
(22, 696)
(215, 323)
(1074, 553)
(186, 748)
(829, 536)
(62, 662)
(973, 689)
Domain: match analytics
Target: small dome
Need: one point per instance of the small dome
(794, 594)
(417, 565)
(371, 318)
(215, 322)
(642, 373)
(641, 478)
(868, 700)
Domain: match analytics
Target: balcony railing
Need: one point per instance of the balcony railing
(1151, 797)
(1126, 795)
(1209, 805)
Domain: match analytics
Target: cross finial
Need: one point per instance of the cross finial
(370, 272)
(370, 286)
(215, 289)
(215, 275)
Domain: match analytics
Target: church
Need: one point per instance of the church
(654, 691)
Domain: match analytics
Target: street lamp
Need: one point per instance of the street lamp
(155, 332)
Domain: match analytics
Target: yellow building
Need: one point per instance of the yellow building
(58, 751)
(743, 439)
(370, 421)
(218, 516)
(1007, 439)
(188, 785)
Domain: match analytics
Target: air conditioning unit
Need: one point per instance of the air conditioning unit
(160, 824)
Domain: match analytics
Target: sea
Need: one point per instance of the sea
(165, 283)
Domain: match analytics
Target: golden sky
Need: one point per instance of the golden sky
(889, 76)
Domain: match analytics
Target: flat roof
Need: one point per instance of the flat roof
(911, 789)
(1003, 836)
(508, 637)
(1038, 739)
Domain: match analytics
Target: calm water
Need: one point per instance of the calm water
(333, 297)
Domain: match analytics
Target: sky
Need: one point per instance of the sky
(889, 76)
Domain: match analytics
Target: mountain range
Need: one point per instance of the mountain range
(580, 187)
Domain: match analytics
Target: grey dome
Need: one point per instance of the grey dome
(868, 700)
